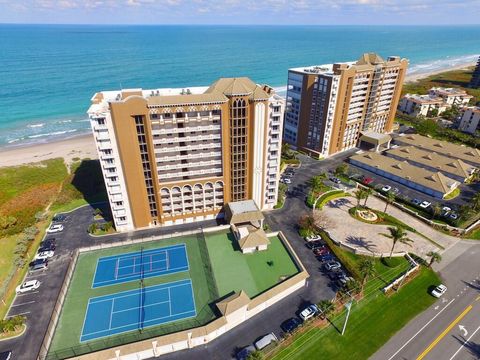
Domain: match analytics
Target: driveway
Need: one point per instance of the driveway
(367, 236)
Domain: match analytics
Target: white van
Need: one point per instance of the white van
(265, 341)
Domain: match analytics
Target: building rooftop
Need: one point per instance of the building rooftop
(215, 93)
(432, 159)
(432, 180)
(424, 99)
(467, 154)
(449, 92)
(242, 212)
(367, 60)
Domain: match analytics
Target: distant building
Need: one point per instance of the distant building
(329, 106)
(475, 81)
(451, 96)
(172, 156)
(470, 121)
(416, 105)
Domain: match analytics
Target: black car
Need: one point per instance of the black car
(38, 264)
(324, 258)
(59, 218)
(47, 246)
(245, 352)
(290, 324)
(315, 244)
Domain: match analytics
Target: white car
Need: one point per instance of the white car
(286, 181)
(386, 188)
(453, 216)
(308, 312)
(446, 209)
(55, 228)
(439, 290)
(28, 286)
(44, 255)
(425, 204)
(313, 238)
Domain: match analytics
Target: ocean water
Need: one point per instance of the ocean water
(48, 73)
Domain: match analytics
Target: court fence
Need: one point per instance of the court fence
(204, 315)
(211, 283)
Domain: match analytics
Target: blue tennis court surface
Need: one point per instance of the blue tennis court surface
(138, 265)
(137, 309)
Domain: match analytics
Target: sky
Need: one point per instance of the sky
(238, 12)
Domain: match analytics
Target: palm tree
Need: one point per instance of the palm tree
(316, 182)
(389, 199)
(476, 201)
(366, 268)
(326, 307)
(437, 209)
(397, 234)
(368, 192)
(465, 211)
(434, 257)
(359, 195)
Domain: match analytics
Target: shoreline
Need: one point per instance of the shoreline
(83, 145)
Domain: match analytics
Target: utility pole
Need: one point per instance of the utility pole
(348, 306)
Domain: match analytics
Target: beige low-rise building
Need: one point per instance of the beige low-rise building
(429, 182)
(467, 154)
(470, 121)
(424, 105)
(451, 96)
(430, 160)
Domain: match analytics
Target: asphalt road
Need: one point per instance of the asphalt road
(450, 328)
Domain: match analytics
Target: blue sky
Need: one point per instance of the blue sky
(283, 12)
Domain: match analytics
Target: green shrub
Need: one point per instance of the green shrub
(346, 260)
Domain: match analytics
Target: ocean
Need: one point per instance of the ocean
(48, 73)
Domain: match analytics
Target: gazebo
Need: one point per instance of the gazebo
(375, 140)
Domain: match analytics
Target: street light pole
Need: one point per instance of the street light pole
(348, 306)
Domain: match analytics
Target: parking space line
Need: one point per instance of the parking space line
(28, 293)
(19, 314)
(35, 275)
(26, 303)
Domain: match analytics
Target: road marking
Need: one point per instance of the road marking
(462, 328)
(461, 347)
(29, 302)
(445, 332)
(478, 298)
(419, 331)
(28, 293)
(22, 313)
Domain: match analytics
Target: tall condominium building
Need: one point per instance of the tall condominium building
(475, 81)
(172, 156)
(328, 106)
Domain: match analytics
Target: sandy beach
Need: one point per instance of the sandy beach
(84, 146)
(76, 147)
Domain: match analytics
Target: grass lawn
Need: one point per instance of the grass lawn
(69, 328)
(235, 271)
(7, 244)
(372, 322)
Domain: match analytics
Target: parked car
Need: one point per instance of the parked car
(321, 251)
(367, 180)
(386, 188)
(332, 265)
(396, 191)
(326, 258)
(38, 264)
(453, 216)
(446, 209)
(308, 312)
(47, 245)
(335, 180)
(425, 204)
(55, 228)
(286, 180)
(416, 202)
(243, 353)
(265, 341)
(316, 244)
(290, 325)
(343, 279)
(59, 218)
(6, 355)
(27, 286)
(313, 238)
(439, 291)
(44, 254)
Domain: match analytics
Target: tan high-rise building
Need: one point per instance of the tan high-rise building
(328, 106)
(171, 156)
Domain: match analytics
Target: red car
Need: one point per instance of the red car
(321, 251)
(367, 180)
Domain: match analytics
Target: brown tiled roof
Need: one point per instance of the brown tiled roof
(233, 303)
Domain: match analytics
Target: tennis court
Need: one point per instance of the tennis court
(139, 265)
(137, 309)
